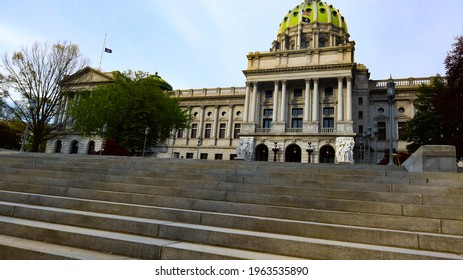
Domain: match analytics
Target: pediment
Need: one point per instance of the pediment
(88, 77)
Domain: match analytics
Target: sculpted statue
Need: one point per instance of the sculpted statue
(246, 148)
(345, 149)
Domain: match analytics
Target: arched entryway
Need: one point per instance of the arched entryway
(74, 148)
(327, 154)
(262, 152)
(91, 148)
(58, 146)
(293, 153)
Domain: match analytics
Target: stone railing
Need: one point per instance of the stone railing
(410, 82)
(209, 92)
(327, 130)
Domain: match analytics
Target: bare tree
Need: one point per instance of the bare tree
(34, 75)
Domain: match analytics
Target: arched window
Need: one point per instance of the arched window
(327, 154)
(74, 148)
(58, 146)
(261, 153)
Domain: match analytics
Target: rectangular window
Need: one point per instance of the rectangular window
(296, 123)
(268, 112)
(268, 94)
(176, 155)
(360, 115)
(297, 92)
(223, 127)
(203, 156)
(328, 122)
(180, 133)
(401, 126)
(207, 132)
(298, 112)
(360, 101)
(360, 129)
(189, 155)
(218, 157)
(267, 123)
(194, 130)
(381, 130)
(328, 111)
(328, 91)
(237, 131)
(233, 156)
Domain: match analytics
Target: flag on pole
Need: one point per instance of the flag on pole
(108, 50)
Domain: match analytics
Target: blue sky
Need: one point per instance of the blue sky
(203, 43)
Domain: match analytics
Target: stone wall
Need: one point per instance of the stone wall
(432, 159)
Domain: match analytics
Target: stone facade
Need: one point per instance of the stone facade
(307, 88)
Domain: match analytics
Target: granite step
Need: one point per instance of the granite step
(152, 227)
(151, 248)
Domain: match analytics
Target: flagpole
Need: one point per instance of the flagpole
(102, 51)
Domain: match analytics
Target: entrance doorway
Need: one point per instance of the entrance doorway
(262, 152)
(327, 154)
(293, 153)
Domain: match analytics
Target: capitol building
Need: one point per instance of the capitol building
(303, 98)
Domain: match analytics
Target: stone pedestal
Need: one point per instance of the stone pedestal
(279, 127)
(432, 159)
(248, 128)
(310, 127)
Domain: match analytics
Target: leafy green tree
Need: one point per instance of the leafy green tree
(439, 120)
(32, 85)
(9, 138)
(132, 103)
(426, 126)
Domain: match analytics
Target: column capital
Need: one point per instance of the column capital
(276, 82)
(248, 83)
(349, 78)
(340, 78)
(316, 79)
(284, 81)
(308, 80)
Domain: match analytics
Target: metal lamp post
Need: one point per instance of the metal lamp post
(369, 144)
(310, 150)
(362, 156)
(364, 140)
(275, 151)
(200, 143)
(391, 96)
(105, 130)
(147, 131)
(32, 105)
(376, 132)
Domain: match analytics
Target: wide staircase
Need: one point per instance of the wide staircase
(91, 207)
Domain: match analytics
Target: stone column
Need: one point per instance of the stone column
(340, 100)
(316, 101)
(216, 123)
(307, 101)
(230, 121)
(252, 110)
(275, 101)
(201, 122)
(284, 102)
(246, 103)
(349, 99)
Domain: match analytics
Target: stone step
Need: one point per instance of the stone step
(196, 215)
(130, 245)
(151, 227)
(341, 190)
(152, 248)
(13, 248)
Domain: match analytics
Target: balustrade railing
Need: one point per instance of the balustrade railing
(410, 82)
(210, 92)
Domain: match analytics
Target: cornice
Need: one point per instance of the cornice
(299, 69)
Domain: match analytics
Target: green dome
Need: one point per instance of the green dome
(314, 11)
(160, 82)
